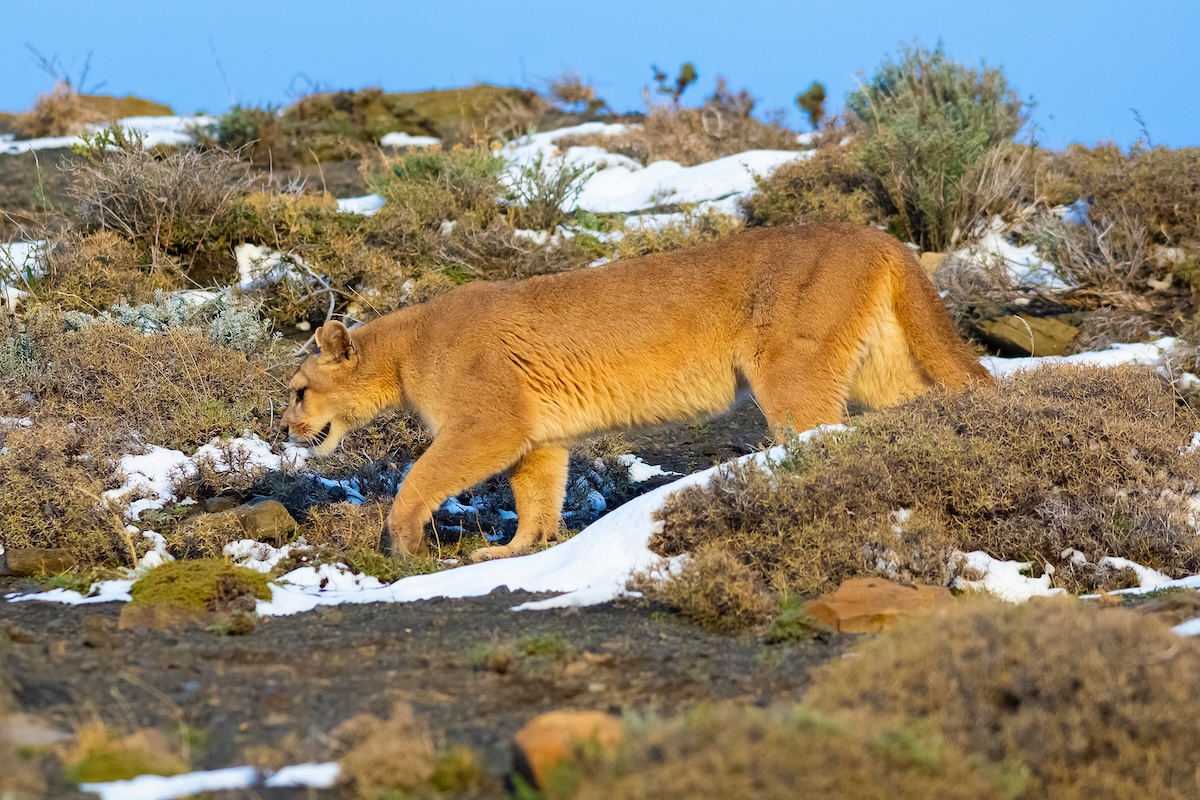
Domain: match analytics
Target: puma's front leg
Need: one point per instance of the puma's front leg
(450, 465)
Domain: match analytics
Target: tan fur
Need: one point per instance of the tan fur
(508, 375)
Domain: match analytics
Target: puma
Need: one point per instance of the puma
(508, 375)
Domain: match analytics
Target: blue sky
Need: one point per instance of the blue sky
(1086, 64)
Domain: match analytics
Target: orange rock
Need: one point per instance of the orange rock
(549, 739)
(866, 605)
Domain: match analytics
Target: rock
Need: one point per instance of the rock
(1022, 335)
(549, 739)
(866, 605)
(26, 562)
(215, 505)
(931, 261)
(264, 518)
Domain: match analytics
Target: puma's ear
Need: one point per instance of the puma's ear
(335, 343)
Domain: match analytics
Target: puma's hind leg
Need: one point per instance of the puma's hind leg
(539, 483)
(799, 388)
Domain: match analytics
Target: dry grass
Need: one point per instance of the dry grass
(712, 589)
(722, 126)
(696, 227)
(1157, 186)
(51, 479)
(90, 272)
(177, 388)
(1092, 703)
(175, 208)
(831, 186)
(742, 752)
(394, 755)
(1086, 458)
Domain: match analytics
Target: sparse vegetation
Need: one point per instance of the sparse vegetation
(728, 751)
(1068, 693)
(1050, 461)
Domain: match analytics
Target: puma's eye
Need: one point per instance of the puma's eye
(300, 394)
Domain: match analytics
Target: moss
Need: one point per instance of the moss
(120, 762)
(206, 584)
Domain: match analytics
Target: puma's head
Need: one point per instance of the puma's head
(330, 394)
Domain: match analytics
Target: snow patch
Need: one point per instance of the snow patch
(401, 139)
(367, 205)
(157, 787)
(1003, 578)
(1151, 353)
(168, 131)
(1024, 265)
(640, 471)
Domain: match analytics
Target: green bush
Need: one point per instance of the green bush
(928, 126)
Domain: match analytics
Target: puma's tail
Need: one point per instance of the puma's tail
(934, 343)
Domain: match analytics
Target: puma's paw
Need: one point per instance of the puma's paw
(499, 551)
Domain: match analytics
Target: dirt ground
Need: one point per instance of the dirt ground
(272, 697)
(276, 693)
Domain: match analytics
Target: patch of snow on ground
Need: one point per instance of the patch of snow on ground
(155, 131)
(259, 266)
(115, 591)
(1003, 578)
(367, 205)
(1150, 353)
(1147, 578)
(640, 471)
(19, 263)
(401, 139)
(622, 188)
(260, 556)
(157, 787)
(1024, 265)
(317, 776)
(153, 474)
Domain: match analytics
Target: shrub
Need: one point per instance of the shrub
(542, 190)
(174, 208)
(1093, 703)
(1059, 458)
(52, 476)
(727, 752)
(1157, 186)
(92, 271)
(712, 589)
(832, 186)
(178, 388)
(930, 127)
(387, 756)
